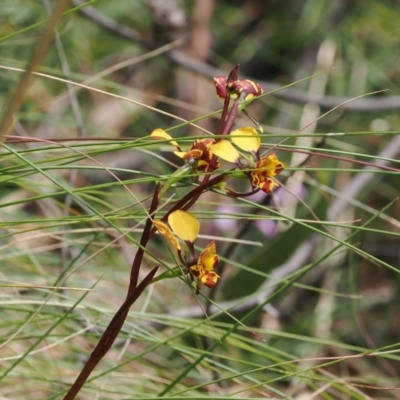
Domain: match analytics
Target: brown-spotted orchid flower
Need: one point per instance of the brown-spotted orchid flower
(262, 170)
(247, 139)
(206, 263)
(244, 89)
(198, 157)
(185, 226)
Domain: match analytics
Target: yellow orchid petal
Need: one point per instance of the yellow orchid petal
(163, 229)
(185, 225)
(246, 138)
(225, 150)
(161, 134)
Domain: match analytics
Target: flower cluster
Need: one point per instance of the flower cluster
(247, 139)
(264, 169)
(241, 147)
(198, 156)
(183, 226)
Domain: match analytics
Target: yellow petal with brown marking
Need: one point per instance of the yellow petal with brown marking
(164, 230)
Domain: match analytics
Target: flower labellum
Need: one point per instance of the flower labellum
(200, 152)
(207, 262)
(264, 170)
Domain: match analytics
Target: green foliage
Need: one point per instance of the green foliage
(76, 185)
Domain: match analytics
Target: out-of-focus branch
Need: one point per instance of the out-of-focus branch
(361, 180)
(41, 48)
(290, 94)
(113, 26)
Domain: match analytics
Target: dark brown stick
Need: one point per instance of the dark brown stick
(108, 337)
(290, 94)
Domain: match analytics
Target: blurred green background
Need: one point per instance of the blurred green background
(339, 62)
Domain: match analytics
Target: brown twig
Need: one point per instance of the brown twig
(40, 52)
(109, 336)
(134, 291)
(289, 94)
(143, 242)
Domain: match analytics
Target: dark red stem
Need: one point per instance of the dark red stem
(137, 261)
(231, 118)
(108, 337)
(223, 115)
(115, 325)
